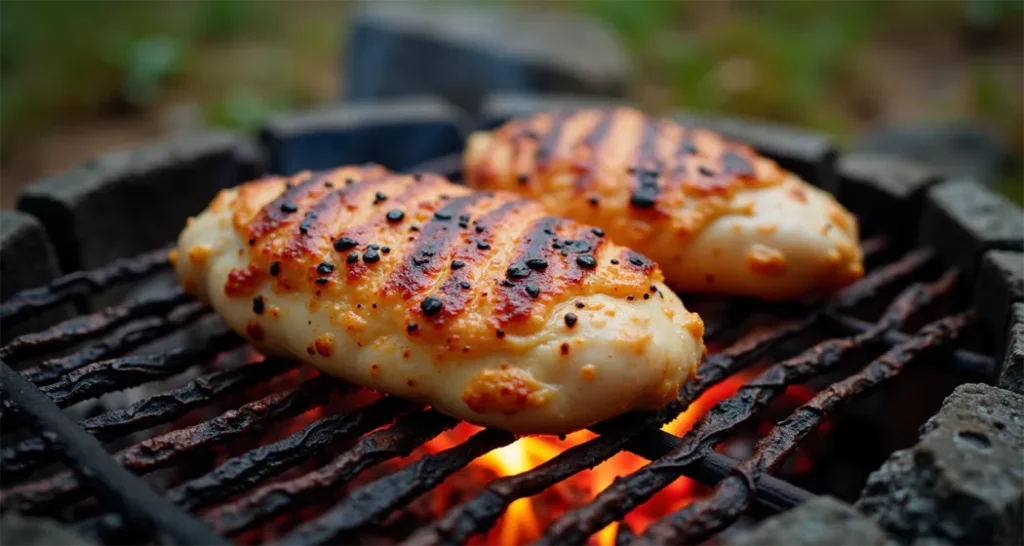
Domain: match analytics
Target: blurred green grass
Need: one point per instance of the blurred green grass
(842, 67)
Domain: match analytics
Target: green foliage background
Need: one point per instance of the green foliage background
(822, 64)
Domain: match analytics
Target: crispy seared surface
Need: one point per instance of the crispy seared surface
(460, 286)
(672, 192)
(466, 249)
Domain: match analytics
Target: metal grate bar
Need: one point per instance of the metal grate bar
(81, 283)
(322, 484)
(884, 277)
(874, 247)
(20, 460)
(380, 497)
(699, 520)
(141, 332)
(627, 493)
(112, 483)
(635, 432)
(84, 327)
(972, 365)
(100, 378)
(773, 493)
(244, 471)
(165, 449)
(117, 374)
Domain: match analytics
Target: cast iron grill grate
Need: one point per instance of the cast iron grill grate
(907, 308)
(254, 485)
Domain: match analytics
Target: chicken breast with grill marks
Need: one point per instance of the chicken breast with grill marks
(715, 215)
(476, 303)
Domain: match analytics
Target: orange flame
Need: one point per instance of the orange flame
(526, 518)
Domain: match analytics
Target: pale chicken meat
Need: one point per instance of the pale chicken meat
(476, 303)
(715, 215)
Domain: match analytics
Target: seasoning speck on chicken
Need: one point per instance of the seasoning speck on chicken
(475, 314)
(678, 194)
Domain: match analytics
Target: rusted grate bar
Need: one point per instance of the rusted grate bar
(379, 498)
(99, 378)
(239, 473)
(322, 484)
(81, 328)
(627, 493)
(112, 483)
(733, 495)
(117, 374)
(82, 283)
(245, 471)
(635, 432)
(775, 494)
(971, 365)
(141, 332)
(879, 279)
(20, 460)
(169, 448)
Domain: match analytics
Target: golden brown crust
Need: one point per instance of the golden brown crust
(663, 165)
(507, 391)
(714, 214)
(463, 268)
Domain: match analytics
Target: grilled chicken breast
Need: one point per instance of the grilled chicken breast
(716, 216)
(476, 303)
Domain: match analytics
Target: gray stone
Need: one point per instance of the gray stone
(464, 53)
(397, 133)
(27, 260)
(1012, 375)
(963, 483)
(122, 203)
(252, 161)
(17, 531)
(808, 154)
(955, 151)
(1000, 283)
(885, 192)
(962, 219)
(501, 107)
(821, 521)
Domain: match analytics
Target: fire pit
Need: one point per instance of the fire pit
(801, 426)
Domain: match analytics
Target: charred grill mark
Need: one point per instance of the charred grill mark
(281, 210)
(367, 232)
(456, 290)
(520, 141)
(322, 216)
(428, 255)
(541, 242)
(515, 301)
(686, 145)
(593, 143)
(736, 164)
(547, 145)
(586, 245)
(523, 128)
(647, 170)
